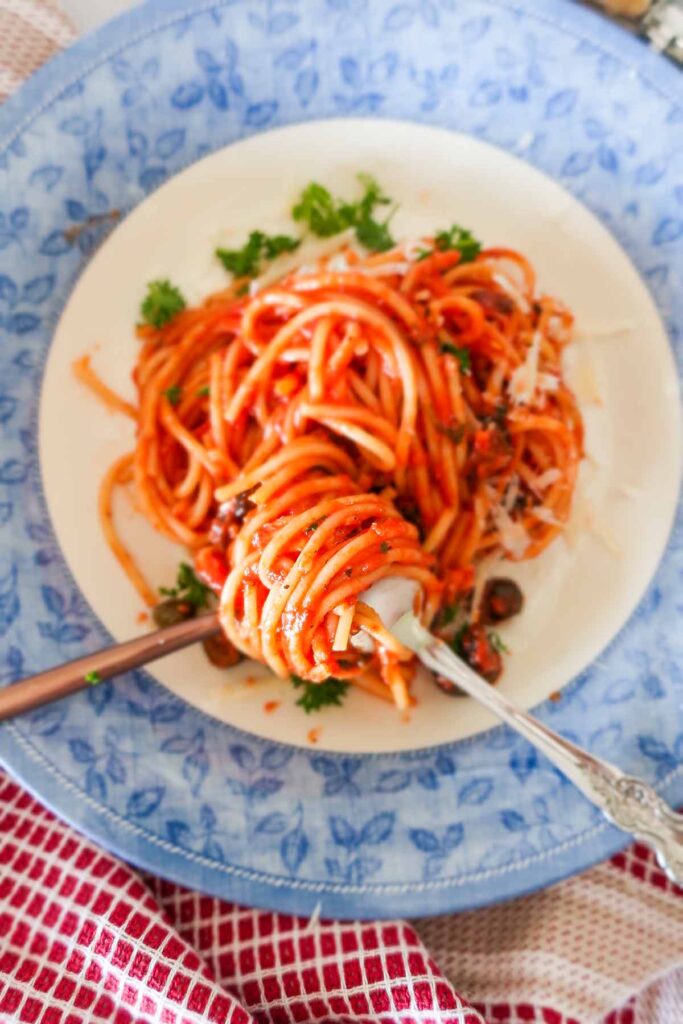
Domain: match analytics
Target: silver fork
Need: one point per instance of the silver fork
(627, 802)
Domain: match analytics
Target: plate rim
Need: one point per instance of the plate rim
(602, 839)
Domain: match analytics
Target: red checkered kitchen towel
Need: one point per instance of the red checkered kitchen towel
(84, 938)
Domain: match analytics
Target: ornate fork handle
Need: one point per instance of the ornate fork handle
(635, 807)
(627, 802)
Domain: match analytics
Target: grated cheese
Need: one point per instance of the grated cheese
(513, 536)
(546, 515)
(523, 382)
(586, 387)
(545, 480)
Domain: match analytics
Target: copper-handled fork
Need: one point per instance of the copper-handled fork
(627, 802)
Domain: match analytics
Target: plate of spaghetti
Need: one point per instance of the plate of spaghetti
(320, 375)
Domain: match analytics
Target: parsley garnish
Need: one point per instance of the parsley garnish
(326, 216)
(457, 641)
(93, 678)
(460, 239)
(384, 547)
(173, 394)
(446, 615)
(461, 354)
(162, 302)
(203, 392)
(454, 434)
(320, 695)
(188, 588)
(497, 642)
(314, 525)
(246, 262)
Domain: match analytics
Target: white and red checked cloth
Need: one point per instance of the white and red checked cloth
(85, 939)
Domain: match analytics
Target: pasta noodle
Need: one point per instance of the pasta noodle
(366, 418)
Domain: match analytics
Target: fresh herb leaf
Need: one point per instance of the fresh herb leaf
(326, 216)
(374, 236)
(461, 239)
(457, 641)
(312, 527)
(319, 695)
(246, 262)
(497, 642)
(93, 678)
(243, 262)
(461, 354)
(453, 433)
(203, 392)
(188, 588)
(162, 302)
(174, 394)
(276, 245)
(384, 547)
(446, 615)
(320, 212)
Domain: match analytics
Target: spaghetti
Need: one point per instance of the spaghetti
(400, 414)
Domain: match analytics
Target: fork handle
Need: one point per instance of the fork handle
(55, 683)
(628, 802)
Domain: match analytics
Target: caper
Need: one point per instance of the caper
(172, 611)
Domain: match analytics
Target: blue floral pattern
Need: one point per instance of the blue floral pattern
(153, 778)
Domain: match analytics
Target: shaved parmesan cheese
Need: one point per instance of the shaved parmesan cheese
(550, 476)
(513, 536)
(304, 261)
(588, 333)
(548, 382)
(338, 263)
(586, 387)
(306, 269)
(386, 269)
(522, 386)
(584, 519)
(546, 515)
(628, 491)
(604, 534)
(510, 290)
(314, 919)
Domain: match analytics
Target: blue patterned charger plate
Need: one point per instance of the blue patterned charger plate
(146, 774)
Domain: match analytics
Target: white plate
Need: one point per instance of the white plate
(578, 594)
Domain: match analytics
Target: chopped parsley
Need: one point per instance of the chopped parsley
(446, 615)
(246, 262)
(203, 392)
(453, 433)
(319, 695)
(497, 642)
(93, 678)
(326, 216)
(384, 547)
(457, 641)
(174, 394)
(188, 588)
(461, 354)
(312, 527)
(460, 239)
(162, 302)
